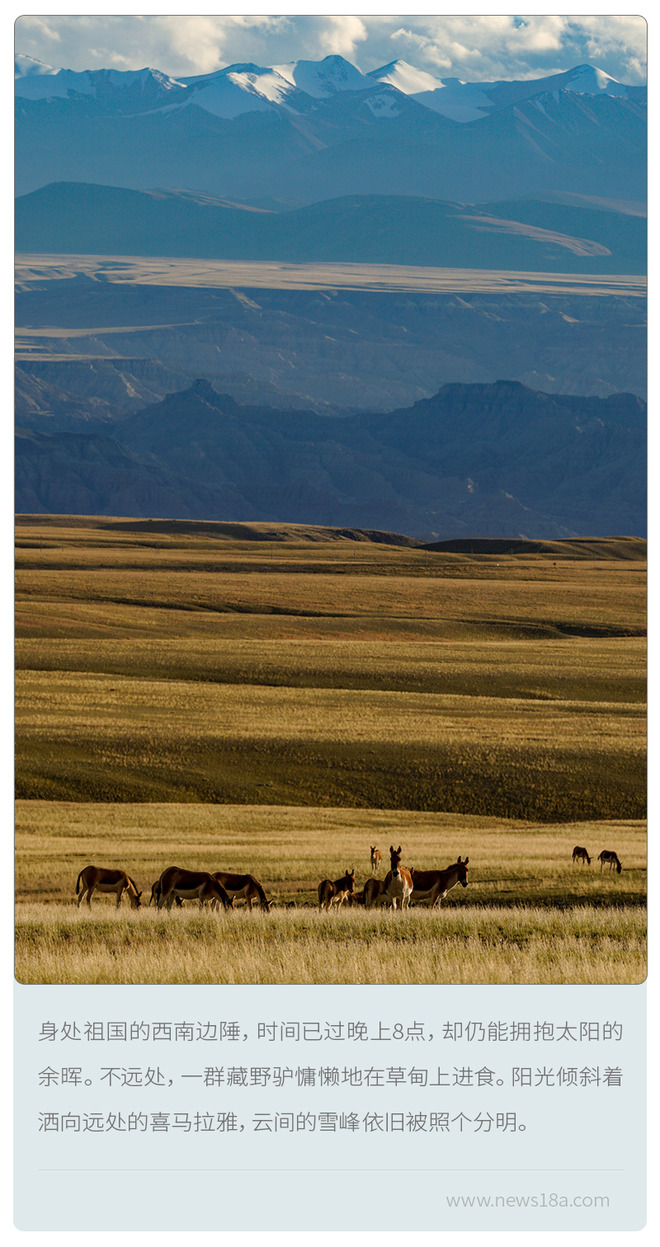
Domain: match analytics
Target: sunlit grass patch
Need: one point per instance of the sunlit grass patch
(527, 915)
(459, 945)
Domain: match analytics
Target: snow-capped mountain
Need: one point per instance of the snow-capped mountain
(308, 130)
(36, 81)
(460, 101)
(467, 101)
(582, 80)
(244, 87)
(321, 79)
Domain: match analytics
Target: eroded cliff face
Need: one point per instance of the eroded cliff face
(325, 349)
(492, 460)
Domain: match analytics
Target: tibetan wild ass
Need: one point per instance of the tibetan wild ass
(155, 894)
(188, 884)
(433, 885)
(580, 855)
(398, 884)
(243, 885)
(335, 893)
(608, 855)
(374, 893)
(99, 879)
(376, 858)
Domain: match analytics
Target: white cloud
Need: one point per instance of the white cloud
(498, 46)
(485, 46)
(176, 45)
(342, 36)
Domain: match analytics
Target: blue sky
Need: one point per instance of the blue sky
(471, 47)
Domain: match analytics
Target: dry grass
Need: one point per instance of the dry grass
(181, 662)
(464, 944)
(528, 914)
(105, 738)
(470, 604)
(187, 695)
(588, 670)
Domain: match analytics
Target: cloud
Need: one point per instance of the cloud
(492, 46)
(176, 45)
(343, 35)
(488, 46)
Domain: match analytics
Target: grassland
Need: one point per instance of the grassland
(183, 663)
(276, 700)
(528, 914)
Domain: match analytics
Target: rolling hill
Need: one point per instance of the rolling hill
(527, 235)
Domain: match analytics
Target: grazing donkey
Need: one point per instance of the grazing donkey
(155, 894)
(189, 884)
(335, 893)
(243, 885)
(609, 856)
(581, 855)
(99, 879)
(376, 857)
(398, 881)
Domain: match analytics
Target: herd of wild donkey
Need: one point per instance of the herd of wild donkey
(399, 888)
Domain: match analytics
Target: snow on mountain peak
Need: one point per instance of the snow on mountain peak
(406, 78)
(27, 65)
(240, 88)
(45, 83)
(460, 101)
(119, 78)
(245, 87)
(36, 81)
(323, 78)
(588, 80)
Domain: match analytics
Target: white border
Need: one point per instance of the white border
(651, 1233)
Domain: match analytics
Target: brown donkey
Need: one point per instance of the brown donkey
(188, 884)
(398, 884)
(609, 856)
(243, 885)
(376, 858)
(335, 893)
(433, 885)
(100, 879)
(374, 893)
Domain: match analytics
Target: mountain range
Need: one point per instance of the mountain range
(487, 460)
(300, 85)
(315, 162)
(300, 133)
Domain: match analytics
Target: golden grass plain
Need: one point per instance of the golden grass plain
(275, 700)
(527, 915)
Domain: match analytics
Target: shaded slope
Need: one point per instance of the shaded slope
(377, 229)
(492, 460)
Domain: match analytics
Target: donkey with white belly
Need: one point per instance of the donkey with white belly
(398, 883)
(433, 885)
(101, 879)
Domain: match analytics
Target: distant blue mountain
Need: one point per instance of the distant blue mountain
(380, 229)
(310, 131)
